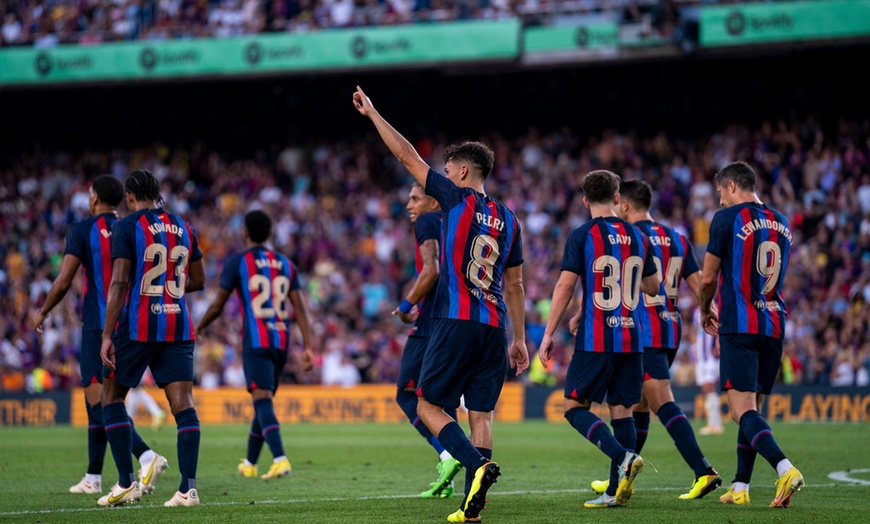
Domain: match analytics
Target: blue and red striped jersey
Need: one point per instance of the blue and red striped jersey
(482, 238)
(675, 260)
(161, 246)
(426, 227)
(754, 243)
(90, 242)
(611, 257)
(263, 280)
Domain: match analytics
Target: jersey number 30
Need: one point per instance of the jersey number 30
(622, 283)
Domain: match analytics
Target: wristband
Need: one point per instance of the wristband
(405, 307)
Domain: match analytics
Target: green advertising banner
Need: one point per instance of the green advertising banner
(333, 49)
(569, 38)
(783, 21)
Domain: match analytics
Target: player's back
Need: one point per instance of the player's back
(263, 280)
(674, 260)
(426, 227)
(482, 238)
(610, 256)
(90, 242)
(754, 243)
(161, 246)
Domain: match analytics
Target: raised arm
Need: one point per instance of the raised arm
(68, 268)
(515, 296)
(429, 255)
(398, 145)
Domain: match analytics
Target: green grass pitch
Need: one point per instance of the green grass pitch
(373, 473)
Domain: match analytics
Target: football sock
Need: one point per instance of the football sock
(187, 447)
(641, 426)
(454, 440)
(675, 421)
(407, 400)
(595, 431)
(117, 424)
(269, 422)
(138, 446)
(760, 437)
(96, 438)
(255, 441)
(783, 466)
(625, 433)
(739, 486)
(147, 457)
(745, 459)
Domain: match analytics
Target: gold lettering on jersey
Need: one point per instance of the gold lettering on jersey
(763, 223)
(489, 221)
(660, 241)
(272, 264)
(619, 239)
(160, 227)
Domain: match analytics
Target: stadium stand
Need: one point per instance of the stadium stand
(346, 234)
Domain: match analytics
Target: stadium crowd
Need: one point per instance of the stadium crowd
(340, 217)
(47, 23)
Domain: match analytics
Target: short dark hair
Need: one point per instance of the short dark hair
(259, 226)
(741, 173)
(109, 190)
(144, 186)
(600, 186)
(478, 155)
(638, 192)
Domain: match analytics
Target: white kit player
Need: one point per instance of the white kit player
(706, 353)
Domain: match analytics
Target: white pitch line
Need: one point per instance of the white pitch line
(353, 499)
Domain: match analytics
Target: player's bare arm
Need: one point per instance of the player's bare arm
(429, 255)
(650, 285)
(398, 145)
(694, 283)
(214, 311)
(562, 294)
(121, 269)
(515, 300)
(196, 277)
(300, 306)
(68, 268)
(709, 275)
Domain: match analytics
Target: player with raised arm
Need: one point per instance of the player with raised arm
(88, 244)
(425, 215)
(661, 324)
(156, 261)
(614, 262)
(267, 283)
(466, 353)
(748, 253)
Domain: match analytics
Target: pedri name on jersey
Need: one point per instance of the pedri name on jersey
(764, 223)
(489, 221)
(161, 227)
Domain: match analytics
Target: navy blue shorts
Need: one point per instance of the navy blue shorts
(263, 367)
(170, 361)
(657, 363)
(618, 377)
(90, 363)
(464, 357)
(412, 361)
(749, 362)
